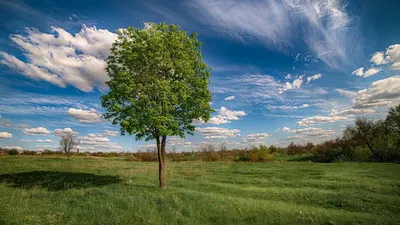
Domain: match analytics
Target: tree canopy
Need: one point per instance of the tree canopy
(158, 83)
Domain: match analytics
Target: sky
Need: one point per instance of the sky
(283, 70)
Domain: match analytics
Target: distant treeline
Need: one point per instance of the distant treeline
(364, 141)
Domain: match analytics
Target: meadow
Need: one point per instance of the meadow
(94, 190)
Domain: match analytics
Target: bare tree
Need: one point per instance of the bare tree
(67, 142)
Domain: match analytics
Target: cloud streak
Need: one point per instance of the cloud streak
(324, 26)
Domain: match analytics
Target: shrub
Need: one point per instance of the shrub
(243, 156)
(328, 155)
(256, 154)
(12, 152)
(193, 156)
(27, 152)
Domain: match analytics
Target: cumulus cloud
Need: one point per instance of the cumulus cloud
(4, 135)
(62, 58)
(371, 71)
(392, 56)
(323, 26)
(294, 85)
(217, 132)
(97, 142)
(385, 92)
(178, 142)
(315, 77)
(110, 132)
(13, 147)
(67, 130)
(85, 116)
(308, 132)
(224, 116)
(36, 131)
(315, 120)
(256, 138)
(229, 98)
(378, 58)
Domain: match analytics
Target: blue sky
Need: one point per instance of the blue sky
(282, 70)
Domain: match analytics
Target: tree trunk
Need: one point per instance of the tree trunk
(161, 161)
(68, 154)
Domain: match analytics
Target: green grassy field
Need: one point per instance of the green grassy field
(45, 190)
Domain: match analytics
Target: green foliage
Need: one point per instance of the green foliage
(159, 82)
(12, 152)
(256, 154)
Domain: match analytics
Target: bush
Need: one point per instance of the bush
(208, 153)
(12, 152)
(256, 154)
(26, 152)
(328, 155)
(243, 156)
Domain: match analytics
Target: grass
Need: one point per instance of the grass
(88, 190)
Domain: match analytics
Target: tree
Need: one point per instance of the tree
(158, 85)
(67, 142)
(369, 133)
(393, 118)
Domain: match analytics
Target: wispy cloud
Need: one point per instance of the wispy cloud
(323, 26)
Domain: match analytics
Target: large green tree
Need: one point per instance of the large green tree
(158, 85)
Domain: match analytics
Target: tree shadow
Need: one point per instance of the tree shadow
(56, 181)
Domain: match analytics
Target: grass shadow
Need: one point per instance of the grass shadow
(304, 158)
(55, 181)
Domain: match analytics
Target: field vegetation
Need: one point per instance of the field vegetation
(49, 189)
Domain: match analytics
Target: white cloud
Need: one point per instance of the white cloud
(85, 116)
(346, 92)
(97, 142)
(178, 142)
(44, 141)
(111, 132)
(351, 112)
(385, 92)
(63, 58)
(256, 138)
(67, 130)
(224, 116)
(289, 76)
(322, 25)
(378, 58)
(308, 133)
(315, 77)
(13, 147)
(371, 71)
(289, 86)
(359, 72)
(314, 120)
(36, 131)
(393, 56)
(288, 107)
(4, 135)
(229, 98)
(217, 132)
